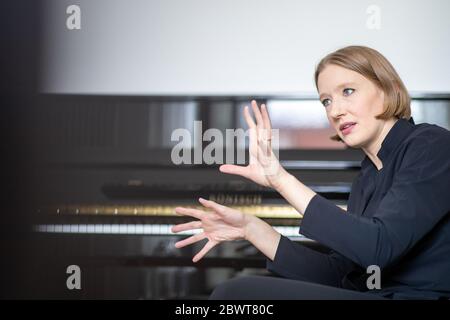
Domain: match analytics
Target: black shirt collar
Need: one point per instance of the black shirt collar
(401, 129)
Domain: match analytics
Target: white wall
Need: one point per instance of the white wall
(235, 47)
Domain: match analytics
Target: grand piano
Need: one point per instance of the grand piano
(106, 190)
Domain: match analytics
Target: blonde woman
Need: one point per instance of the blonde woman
(398, 211)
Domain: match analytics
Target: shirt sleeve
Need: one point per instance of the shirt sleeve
(295, 261)
(417, 200)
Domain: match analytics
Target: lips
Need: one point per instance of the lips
(346, 125)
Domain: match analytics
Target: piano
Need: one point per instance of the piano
(106, 190)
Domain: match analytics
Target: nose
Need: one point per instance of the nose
(337, 109)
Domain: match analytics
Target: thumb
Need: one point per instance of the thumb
(233, 169)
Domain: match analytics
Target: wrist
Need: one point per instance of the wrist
(249, 221)
(278, 181)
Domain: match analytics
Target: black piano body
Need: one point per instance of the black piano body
(105, 191)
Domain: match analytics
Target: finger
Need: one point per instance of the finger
(262, 133)
(208, 246)
(248, 118)
(266, 118)
(234, 169)
(257, 113)
(187, 226)
(267, 131)
(190, 240)
(212, 205)
(253, 147)
(190, 212)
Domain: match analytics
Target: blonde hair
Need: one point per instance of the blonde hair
(375, 67)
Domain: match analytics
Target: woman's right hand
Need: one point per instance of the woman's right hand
(264, 167)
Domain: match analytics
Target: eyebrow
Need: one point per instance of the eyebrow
(342, 85)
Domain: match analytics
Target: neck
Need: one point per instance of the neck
(372, 149)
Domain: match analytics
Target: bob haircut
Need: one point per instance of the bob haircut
(375, 67)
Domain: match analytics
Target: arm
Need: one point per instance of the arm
(227, 224)
(285, 257)
(262, 236)
(295, 192)
(416, 202)
(296, 261)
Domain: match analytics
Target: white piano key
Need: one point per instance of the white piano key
(148, 229)
(107, 228)
(74, 228)
(90, 228)
(292, 231)
(122, 228)
(114, 229)
(164, 229)
(131, 229)
(98, 228)
(139, 229)
(155, 229)
(58, 228)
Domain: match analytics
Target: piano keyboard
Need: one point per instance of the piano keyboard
(138, 229)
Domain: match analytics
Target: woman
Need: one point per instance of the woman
(398, 211)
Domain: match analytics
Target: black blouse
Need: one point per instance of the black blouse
(397, 218)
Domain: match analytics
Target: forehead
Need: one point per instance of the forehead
(332, 76)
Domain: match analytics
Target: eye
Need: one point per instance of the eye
(326, 102)
(348, 91)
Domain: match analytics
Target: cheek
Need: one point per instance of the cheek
(364, 108)
(330, 120)
(376, 103)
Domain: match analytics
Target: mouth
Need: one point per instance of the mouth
(347, 128)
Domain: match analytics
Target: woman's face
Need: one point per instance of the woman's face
(349, 97)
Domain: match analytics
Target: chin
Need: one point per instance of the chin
(352, 142)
